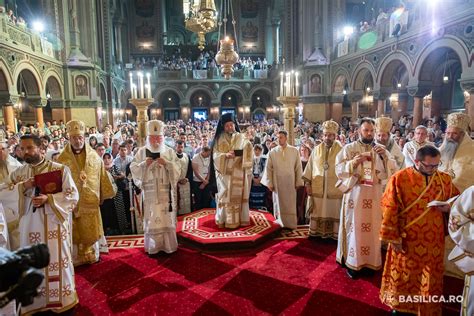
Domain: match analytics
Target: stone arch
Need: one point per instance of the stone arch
(340, 82)
(363, 73)
(179, 92)
(387, 66)
(102, 95)
(447, 41)
(200, 98)
(260, 99)
(203, 88)
(234, 88)
(169, 99)
(5, 86)
(258, 88)
(54, 84)
(30, 78)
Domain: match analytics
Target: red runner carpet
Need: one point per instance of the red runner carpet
(287, 276)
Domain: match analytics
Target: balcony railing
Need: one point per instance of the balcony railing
(24, 37)
(207, 74)
(415, 19)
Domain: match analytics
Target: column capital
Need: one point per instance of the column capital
(418, 91)
(468, 85)
(381, 94)
(356, 96)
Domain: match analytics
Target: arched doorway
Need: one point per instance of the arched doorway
(53, 95)
(230, 99)
(363, 84)
(259, 101)
(170, 101)
(200, 102)
(3, 91)
(394, 80)
(441, 70)
(29, 92)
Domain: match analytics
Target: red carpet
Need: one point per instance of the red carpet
(290, 277)
(200, 229)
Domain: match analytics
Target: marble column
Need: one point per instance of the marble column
(9, 116)
(355, 98)
(39, 115)
(418, 93)
(336, 111)
(468, 86)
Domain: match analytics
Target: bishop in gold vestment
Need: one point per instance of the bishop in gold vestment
(94, 186)
(324, 202)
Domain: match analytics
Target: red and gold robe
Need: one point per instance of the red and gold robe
(418, 271)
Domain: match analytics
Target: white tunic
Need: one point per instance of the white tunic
(409, 151)
(158, 184)
(184, 190)
(461, 229)
(358, 244)
(283, 172)
(50, 224)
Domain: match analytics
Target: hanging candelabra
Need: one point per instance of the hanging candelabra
(200, 18)
(226, 55)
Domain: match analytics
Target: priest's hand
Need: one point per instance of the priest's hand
(161, 161)
(149, 161)
(359, 159)
(230, 154)
(29, 184)
(183, 181)
(39, 200)
(380, 149)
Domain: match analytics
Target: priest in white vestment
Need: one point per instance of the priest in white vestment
(155, 170)
(324, 201)
(419, 140)
(8, 164)
(283, 175)
(457, 153)
(232, 159)
(46, 218)
(383, 125)
(185, 173)
(361, 166)
(461, 229)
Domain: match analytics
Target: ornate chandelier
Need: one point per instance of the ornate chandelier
(226, 56)
(200, 17)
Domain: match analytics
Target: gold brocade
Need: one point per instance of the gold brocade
(317, 177)
(96, 187)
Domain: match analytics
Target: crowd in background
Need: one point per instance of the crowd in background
(118, 145)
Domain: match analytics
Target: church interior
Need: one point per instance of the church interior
(278, 69)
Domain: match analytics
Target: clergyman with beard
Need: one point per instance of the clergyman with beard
(320, 182)
(45, 218)
(456, 157)
(94, 186)
(383, 125)
(365, 163)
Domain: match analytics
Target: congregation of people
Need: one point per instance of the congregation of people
(366, 184)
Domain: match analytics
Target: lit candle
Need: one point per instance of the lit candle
(140, 76)
(288, 84)
(148, 90)
(296, 84)
(131, 83)
(282, 93)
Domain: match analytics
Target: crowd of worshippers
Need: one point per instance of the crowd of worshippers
(350, 182)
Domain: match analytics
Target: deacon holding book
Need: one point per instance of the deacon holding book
(45, 198)
(94, 186)
(155, 169)
(361, 166)
(415, 234)
(232, 156)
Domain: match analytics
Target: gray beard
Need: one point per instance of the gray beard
(448, 150)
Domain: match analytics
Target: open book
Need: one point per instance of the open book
(442, 203)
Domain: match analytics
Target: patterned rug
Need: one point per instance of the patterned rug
(288, 276)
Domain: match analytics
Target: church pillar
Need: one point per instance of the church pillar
(381, 96)
(402, 105)
(336, 111)
(417, 111)
(39, 115)
(276, 40)
(435, 108)
(355, 98)
(9, 116)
